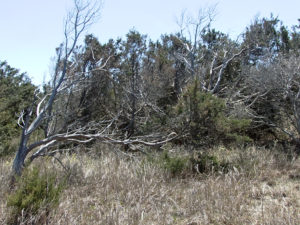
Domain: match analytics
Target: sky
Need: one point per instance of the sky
(32, 29)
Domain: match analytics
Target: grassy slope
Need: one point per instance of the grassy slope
(115, 189)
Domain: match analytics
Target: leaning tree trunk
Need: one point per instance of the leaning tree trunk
(83, 15)
(22, 152)
(19, 160)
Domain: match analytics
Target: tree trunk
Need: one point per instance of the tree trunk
(19, 160)
(79, 19)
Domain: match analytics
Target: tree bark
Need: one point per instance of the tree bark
(79, 19)
(19, 160)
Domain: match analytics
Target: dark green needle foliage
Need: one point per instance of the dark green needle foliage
(16, 93)
(34, 192)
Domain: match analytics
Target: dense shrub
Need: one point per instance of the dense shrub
(16, 94)
(202, 117)
(206, 163)
(173, 164)
(35, 191)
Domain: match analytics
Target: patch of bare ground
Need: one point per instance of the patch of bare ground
(261, 188)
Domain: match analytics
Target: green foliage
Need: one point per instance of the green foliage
(206, 163)
(203, 115)
(10, 144)
(16, 92)
(173, 164)
(190, 164)
(34, 192)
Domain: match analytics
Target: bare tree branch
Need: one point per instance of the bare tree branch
(82, 16)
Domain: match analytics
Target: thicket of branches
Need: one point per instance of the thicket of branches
(197, 87)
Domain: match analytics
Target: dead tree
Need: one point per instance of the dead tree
(195, 56)
(40, 112)
(191, 31)
(276, 81)
(216, 72)
(78, 20)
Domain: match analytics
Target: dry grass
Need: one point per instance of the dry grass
(113, 189)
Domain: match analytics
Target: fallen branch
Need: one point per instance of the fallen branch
(86, 138)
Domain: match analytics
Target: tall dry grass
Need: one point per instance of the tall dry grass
(111, 188)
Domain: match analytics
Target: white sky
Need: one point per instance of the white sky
(32, 29)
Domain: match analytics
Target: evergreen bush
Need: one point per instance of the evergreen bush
(203, 118)
(173, 164)
(35, 191)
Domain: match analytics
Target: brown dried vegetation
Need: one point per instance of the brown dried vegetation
(112, 188)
